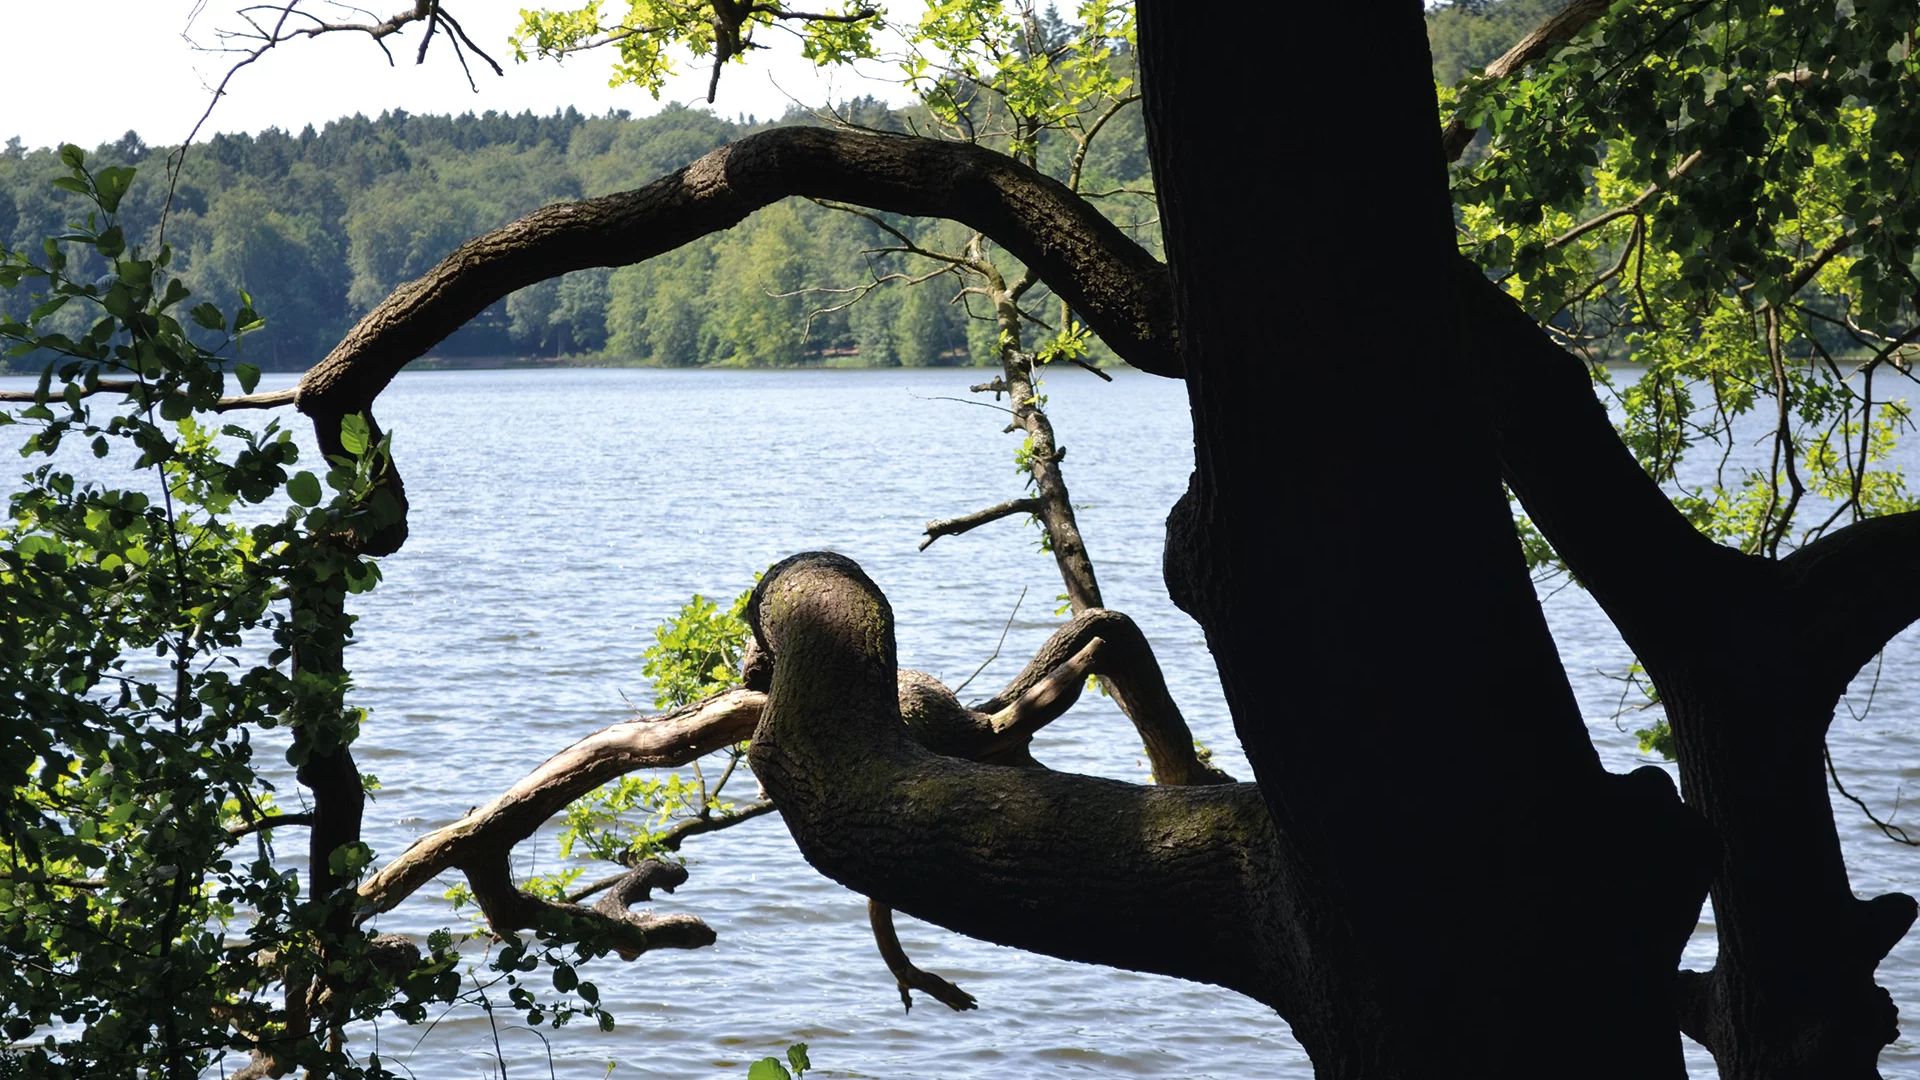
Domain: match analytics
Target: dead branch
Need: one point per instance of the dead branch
(508, 908)
(908, 977)
(654, 742)
(954, 526)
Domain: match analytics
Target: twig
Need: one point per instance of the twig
(1893, 832)
(995, 655)
(968, 522)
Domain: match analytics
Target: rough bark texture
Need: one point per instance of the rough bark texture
(1166, 879)
(1470, 729)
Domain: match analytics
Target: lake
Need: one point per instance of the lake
(559, 515)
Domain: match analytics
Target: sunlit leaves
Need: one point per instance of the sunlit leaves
(1725, 196)
(147, 629)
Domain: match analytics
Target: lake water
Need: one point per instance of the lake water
(559, 515)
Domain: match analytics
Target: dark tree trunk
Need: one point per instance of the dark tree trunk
(1750, 657)
(1448, 815)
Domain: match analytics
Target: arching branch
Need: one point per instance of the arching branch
(1110, 280)
(656, 742)
(1855, 589)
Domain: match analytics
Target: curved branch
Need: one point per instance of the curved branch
(1605, 516)
(1854, 589)
(655, 742)
(509, 908)
(908, 977)
(1132, 674)
(1163, 879)
(1116, 286)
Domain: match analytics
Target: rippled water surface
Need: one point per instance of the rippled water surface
(559, 515)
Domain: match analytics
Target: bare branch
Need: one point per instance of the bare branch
(954, 526)
(1124, 659)
(905, 974)
(508, 908)
(654, 742)
(1114, 284)
(270, 821)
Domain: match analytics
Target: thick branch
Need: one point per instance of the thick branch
(1163, 879)
(1577, 480)
(1854, 589)
(1132, 674)
(1105, 276)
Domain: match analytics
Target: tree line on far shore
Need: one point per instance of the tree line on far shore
(320, 225)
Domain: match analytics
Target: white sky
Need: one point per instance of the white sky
(87, 71)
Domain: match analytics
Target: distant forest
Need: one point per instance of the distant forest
(320, 225)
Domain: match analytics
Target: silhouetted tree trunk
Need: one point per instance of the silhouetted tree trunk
(1427, 764)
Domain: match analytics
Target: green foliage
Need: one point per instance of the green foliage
(153, 595)
(698, 651)
(771, 1068)
(1724, 198)
(170, 594)
(323, 224)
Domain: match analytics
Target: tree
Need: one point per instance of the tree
(1305, 889)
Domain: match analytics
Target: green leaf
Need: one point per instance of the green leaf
(249, 376)
(354, 434)
(112, 183)
(176, 292)
(304, 488)
(72, 156)
(208, 317)
(768, 1068)
(797, 1057)
(49, 307)
(565, 978)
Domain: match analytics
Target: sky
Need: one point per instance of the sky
(87, 71)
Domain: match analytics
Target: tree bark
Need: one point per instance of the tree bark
(1474, 728)
(1171, 880)
(1749, 675)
